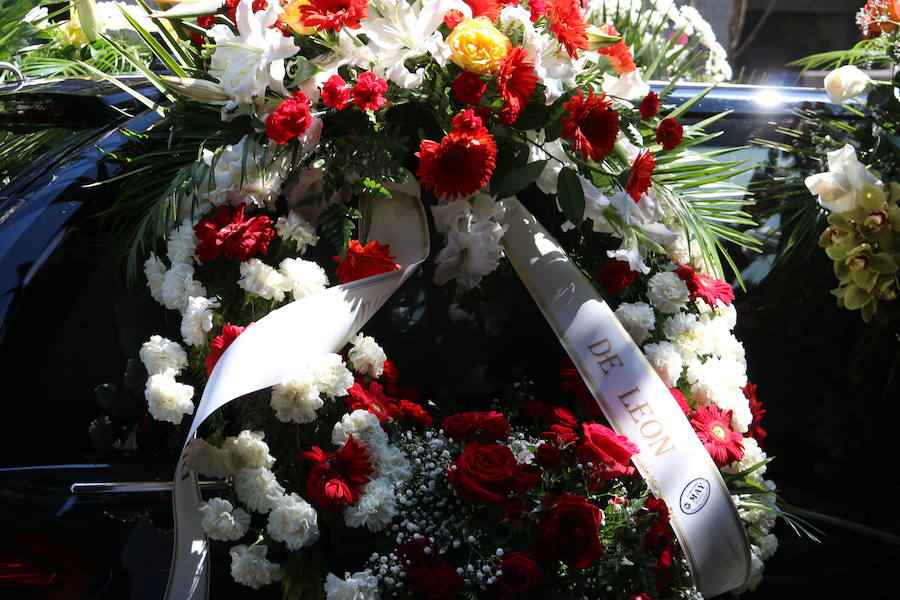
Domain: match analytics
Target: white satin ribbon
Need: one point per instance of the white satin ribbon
(637, 404)
(266, 353)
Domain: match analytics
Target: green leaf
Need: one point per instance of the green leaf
(570, 195)
(519, 179)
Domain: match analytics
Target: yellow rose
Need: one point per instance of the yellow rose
(291, 16)
(477, 46)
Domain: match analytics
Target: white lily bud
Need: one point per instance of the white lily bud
(86, 13)
(197, 89)
(597, 40)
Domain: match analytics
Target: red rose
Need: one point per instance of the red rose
(609, 452)
(524, 479)
(464, 426)
(417, 563)
(335, 93)
(615, 276)
(443, 583)
(640, 596)
(570, 531)
(519, 573)
(560, 435)
(494, 426)
(483, 474)
(469, 88)
(514, 507)
(548, 456)
(649, 106)
(669, 134)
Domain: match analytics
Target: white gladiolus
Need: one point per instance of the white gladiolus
(250, 567)
(846, 82)
(168, 400)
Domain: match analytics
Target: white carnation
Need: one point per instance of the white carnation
(717, 381)
(768, 544)
(245, 173)
(756, 571)
(258, 489)
(294, 521)
(376, 507)
(689, 336)
(302, 277)
(637, 318)
(247, 451)
(667, 292)
(390, 463)
(181, 243)
(221, 521)
(295, 228)
(205, 459)
(753, 455)
(197, 319)
(179, 285)
(362, 425)
(361, 585)
(666, 360)
(155, 272)
(250, 567)
(168, 400)
(261, 279)
(367, 356)
(678, 249)
(159, 354)
(332, 375)
(297, 399)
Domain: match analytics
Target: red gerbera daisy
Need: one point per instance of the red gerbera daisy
(515, 83)
(231, 234)
(332, 15)
(364, 261)
(568, 25)
(711, 291)
(649, 106)
(459, 165)
(291, 119)
(639, 177)
(368, 91)
(615, 276)
(591, 124)
(484, 8)
(220, 343)
(371, 398)
(756, 409)
(619, 54)
(681, 400)
(538, 9)
(713, 427)
(337, 478)
(453, 17)
(335, 93)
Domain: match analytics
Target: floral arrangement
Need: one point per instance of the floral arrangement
(345, 480)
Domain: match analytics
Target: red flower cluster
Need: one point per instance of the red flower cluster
(649, 106)
(554, 415)
(619, 54)
(453, 17)
(639, 176)
(658, 543)
(465, 426)
(368, 91)
(291, 119)
(591, 124)
(231, 8)
(462, 162)
(538, 9)
(428, 572)
(516, 81)
(488, 474)
(469, 88)
(712, 291)
(518, 574)
(569, 531)
(573, 384)
(232, 234)
(568, 25)
(332, 15)
(371, 397)
(484, 8)
(756, 409)
(615, 276)
(337, 478)
(669, 134)
(364, 261)
(335, 93)
(609, 453)
(681, 400)
(220, 343)
(878, 16)
(713, 427)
